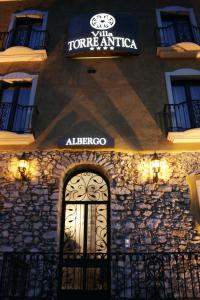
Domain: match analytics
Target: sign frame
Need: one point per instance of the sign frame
(101, 35)
(86, 142)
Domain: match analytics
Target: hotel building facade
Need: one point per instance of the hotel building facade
(99, 149)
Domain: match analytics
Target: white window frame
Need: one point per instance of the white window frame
(19, 76)
(180, 73)
(29, 13)
(175, 9)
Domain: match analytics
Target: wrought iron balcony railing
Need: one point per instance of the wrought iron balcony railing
(16, 118)
(31, 38)
(182, 116)
(147, 276)
(28, 276)
(170, 35)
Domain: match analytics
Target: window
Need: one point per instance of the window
(14, 105)
(27, 33)
(177, 25)
(183, 111)
(28, 28)
(17, 93)
(176, 29)
(186, 95)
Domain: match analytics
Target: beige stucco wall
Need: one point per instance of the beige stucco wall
(120, 100)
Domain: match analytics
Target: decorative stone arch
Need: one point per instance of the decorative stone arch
(85, 226)
(76, 167)
(72, 167)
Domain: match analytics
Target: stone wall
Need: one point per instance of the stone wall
(154, 216)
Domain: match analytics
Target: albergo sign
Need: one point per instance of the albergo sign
(96, 142)
(101, 35)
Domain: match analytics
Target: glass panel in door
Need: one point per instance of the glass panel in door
(180, 113)
(194, 90)
(27, 32)
(7, 95)
(23, 112)
(177, 28)
(15, 112)
(85, 243)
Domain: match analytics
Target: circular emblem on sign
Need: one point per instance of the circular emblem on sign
(102, 21)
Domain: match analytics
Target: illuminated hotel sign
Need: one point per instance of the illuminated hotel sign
(86, 142)
(101, 35)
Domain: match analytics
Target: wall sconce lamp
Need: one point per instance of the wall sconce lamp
(23, 167)
(155, 164)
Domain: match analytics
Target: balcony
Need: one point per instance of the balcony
(147, 276)
(182, 122)
(23, 45)
(173, 44)
(16, 124)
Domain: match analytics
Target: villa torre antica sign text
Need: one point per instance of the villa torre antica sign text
(101, 35)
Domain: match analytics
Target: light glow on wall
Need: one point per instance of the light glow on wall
(13, 171)
(145, 172)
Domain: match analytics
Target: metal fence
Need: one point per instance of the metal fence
(31, 38)
(16, 118)
(156, 276)
(132, 275)
(182, 116)
(28, 276)
(169, 35)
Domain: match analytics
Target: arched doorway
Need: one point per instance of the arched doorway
(85, 238)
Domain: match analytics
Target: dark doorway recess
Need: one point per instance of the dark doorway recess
(85, 237)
